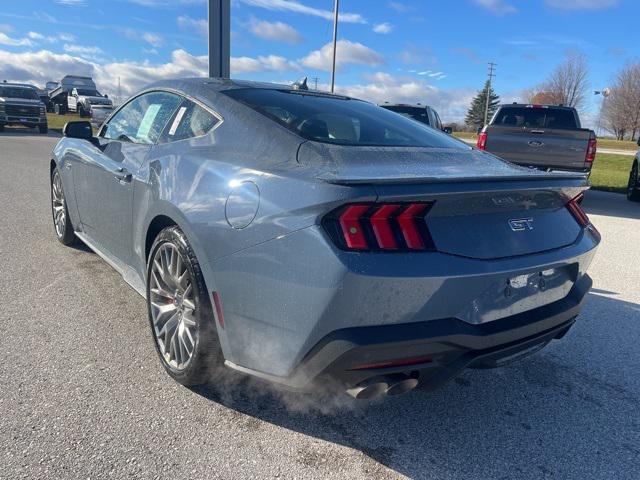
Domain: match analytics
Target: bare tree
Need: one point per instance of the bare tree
(568, 84)
(621, 110)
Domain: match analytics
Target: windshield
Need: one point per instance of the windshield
(340, 120)
(414, 113)
(88, 93)
(541, 117)
(18, 92)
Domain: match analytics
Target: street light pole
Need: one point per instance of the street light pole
(335, 44)
(219, 38)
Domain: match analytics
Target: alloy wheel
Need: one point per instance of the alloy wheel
(58, 205)
(633, 180)
(173, 306)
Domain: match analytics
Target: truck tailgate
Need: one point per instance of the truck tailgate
(548, 148)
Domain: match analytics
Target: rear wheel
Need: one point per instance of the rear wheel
(59, 211)
(180, 312)
(81, 111)
(633, 188)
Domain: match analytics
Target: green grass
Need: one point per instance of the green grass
(617, 144)
(467, 135)
(611, 172)
(57, 122)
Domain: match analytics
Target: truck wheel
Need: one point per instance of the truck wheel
(81, 111)
(43, 129)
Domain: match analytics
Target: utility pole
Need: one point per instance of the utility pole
(335, 44)
(492, 69)
(315, 80)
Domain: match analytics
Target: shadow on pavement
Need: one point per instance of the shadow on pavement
(610, 204)
(550, 415)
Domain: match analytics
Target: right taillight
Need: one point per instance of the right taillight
(482, 141)
(591, 150)
(388, 227)
(578, 213)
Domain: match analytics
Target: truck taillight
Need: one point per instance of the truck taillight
(591, 150)
(381, 227)
(482, 141)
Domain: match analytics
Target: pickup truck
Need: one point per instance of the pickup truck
(21, 105)
(77, 94)
(546, 137)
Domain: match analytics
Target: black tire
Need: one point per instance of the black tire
(81, 111)
(633, 188)
(206, 358)
(1, 128)
(65, 234)
(43, 129)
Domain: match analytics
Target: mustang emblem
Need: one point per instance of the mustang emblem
(521, 224)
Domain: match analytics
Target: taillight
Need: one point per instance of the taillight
(482, 141)
(381, 227)
(576, 210)
(591, 150)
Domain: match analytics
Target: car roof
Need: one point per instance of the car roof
(535, 105)
(20, 85)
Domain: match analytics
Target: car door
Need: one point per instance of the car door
(108, 177)
(72, 100)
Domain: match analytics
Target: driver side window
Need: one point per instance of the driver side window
(143, 119)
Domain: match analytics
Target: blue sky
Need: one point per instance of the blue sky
(432, 51)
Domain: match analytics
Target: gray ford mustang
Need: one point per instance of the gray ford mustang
(307, 238)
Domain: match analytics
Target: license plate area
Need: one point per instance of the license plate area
(512, 294)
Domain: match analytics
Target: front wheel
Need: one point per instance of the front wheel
(180, 312)
(633, 188)
(59, 211)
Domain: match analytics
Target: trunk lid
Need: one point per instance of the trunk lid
(483, 207)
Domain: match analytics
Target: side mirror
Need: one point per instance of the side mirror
(447, 130)
(106, 96)
(80, 130)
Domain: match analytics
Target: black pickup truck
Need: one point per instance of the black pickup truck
(547, 137)
(21, 105)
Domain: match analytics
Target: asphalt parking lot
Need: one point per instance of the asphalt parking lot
(82, 394)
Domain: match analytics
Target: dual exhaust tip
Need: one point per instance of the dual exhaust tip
(390, 385)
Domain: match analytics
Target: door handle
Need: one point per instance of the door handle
(122, 175)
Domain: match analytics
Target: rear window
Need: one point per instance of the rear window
(415, 113)
(530, 117)
(340, 120)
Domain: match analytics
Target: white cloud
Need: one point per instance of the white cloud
(401, 7)
(346, 53)
(73, 3)
(38, 37)
(499, 7)
(153, 39)
(6, 28)
(14, 42)
(581, 4)
(35, 36)
(383, 28)
(82, 50)
(188, 23)
(451, 104)
(277, 31)
(40, 67)
(297, 7)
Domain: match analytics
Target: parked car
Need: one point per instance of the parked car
(548, 137)
(20, 105)
(301, 236)
(633, 188)
(420, 113)
(77, 94)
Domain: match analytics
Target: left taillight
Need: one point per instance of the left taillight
(576, 210)
(481, 144)
(387, 227)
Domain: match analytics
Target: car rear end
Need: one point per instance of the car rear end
(410, 280)
(540, 136)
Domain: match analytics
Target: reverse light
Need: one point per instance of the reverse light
(482, 141)
(381, 227)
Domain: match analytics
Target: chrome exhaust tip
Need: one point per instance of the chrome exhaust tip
(368, 389)
(401, 384)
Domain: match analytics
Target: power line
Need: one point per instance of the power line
(492, 69)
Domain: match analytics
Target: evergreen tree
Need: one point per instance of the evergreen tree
(475, 115)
